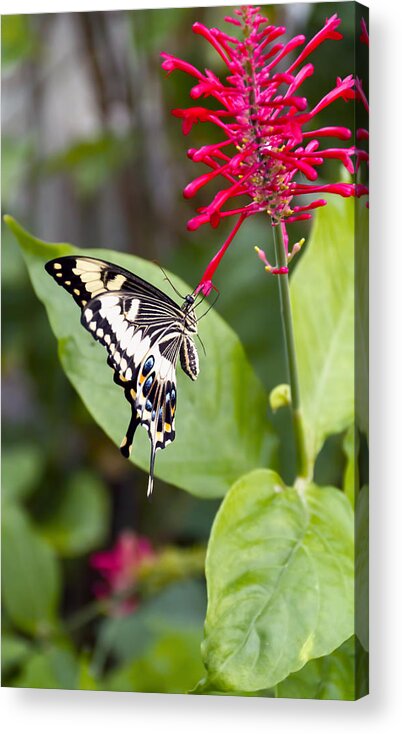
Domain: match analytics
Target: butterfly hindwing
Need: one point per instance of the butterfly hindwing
(189, 358)
(144, 332)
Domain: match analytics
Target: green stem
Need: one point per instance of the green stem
(303, 464)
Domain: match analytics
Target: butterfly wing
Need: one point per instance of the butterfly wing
(142, 330)
(189, 358)
(87, 277)
(142, 350)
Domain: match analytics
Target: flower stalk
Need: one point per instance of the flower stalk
(302, 461)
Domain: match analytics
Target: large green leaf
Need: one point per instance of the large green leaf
(280, 581)
(221, 427)
(322, 294)
(330, 677)
(30, 574)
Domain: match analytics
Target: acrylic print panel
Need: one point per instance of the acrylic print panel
(246, 573)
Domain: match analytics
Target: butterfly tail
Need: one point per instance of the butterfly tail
(151, 470)
(127, 441)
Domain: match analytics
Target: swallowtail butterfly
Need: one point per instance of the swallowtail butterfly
(144, 332)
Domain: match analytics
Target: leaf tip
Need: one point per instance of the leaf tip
(9, 220)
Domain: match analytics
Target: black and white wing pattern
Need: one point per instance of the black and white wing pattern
(144, 332)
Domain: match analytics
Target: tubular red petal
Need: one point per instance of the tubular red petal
(234, 21)
(171, 63)
(313, 205)
(192, 188)
(343, 189)
(287, 49)
(202, 30)
(197, 221)
(343, 133)
(274, 50)
(361, 190)
(298, 218)
(327, 32)
(343, 89)
(271, 36)
(364, 36)
(212, 266)
(362, 134)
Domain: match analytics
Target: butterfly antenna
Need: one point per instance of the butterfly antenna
(169, 281)
(209, 308)
(202, 344)
(201, 301)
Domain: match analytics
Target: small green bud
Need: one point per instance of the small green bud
(279, 397)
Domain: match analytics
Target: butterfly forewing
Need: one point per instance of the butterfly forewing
(144, 332)
(88, 277)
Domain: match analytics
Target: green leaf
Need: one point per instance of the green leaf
(55, 668)
(221, 427)
(14, 650)
(205, 688)
(181, 607)
(362, 566)
(322, 295)
(86, 679)
(330, 677)
(171, 665)
(21, 470)
(80, 522)
(30, 574)
(280, 581)
(350, 477)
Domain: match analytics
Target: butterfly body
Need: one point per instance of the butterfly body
(144, 331)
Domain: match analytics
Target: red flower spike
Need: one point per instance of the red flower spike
(263, 149)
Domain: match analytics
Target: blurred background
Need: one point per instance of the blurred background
(92, 156)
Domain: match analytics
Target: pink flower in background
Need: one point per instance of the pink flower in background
(119, 568)
(266, 144)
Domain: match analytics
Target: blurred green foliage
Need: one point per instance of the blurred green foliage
(91, 155)
(18, 39)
